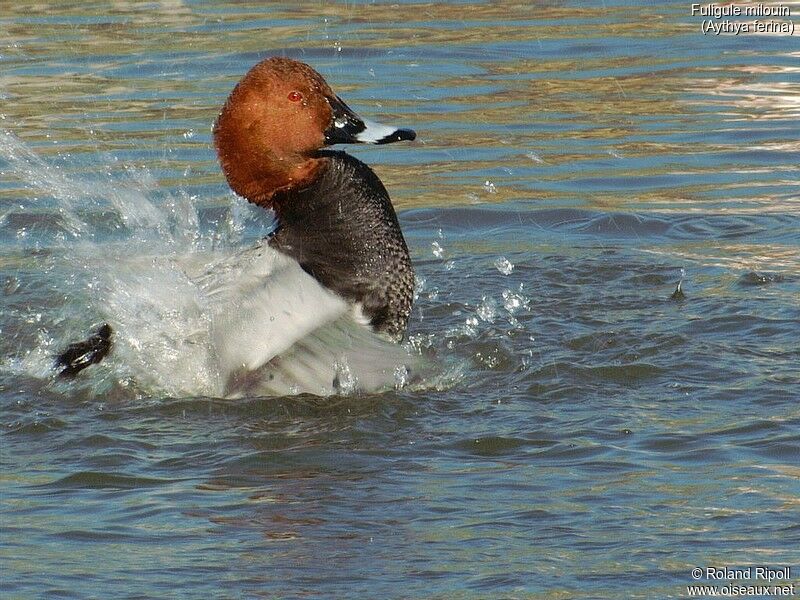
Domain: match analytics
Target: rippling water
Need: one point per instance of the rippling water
(587, 435)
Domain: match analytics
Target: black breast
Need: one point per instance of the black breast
(344, 232)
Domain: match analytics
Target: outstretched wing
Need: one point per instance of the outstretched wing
(261, 303)
(276, 330)
(338, 358)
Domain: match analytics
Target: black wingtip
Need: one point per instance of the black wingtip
(80, 355)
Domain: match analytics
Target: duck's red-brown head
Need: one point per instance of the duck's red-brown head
(274, 123)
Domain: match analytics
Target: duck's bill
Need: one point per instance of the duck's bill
(348, 128)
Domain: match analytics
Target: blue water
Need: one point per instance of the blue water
(585, 434)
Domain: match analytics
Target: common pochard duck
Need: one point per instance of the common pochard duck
(320, 304)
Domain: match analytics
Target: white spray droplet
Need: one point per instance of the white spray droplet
(504, 265)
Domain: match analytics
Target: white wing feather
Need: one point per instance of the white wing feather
(277, 331)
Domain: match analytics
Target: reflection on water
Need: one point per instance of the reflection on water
(588, 435)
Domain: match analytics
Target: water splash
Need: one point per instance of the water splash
(148, 279)
(131, 202)
(139, 279)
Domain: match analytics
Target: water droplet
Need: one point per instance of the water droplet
(188, 134)
(487, 310)
(534, 157)
(437, 250)
(419, 286)
(346, 381)
(401, 377)
(471, 326)
(489, 187)
(504, 265)
(513, 301)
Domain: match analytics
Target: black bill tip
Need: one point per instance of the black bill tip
(398, 135)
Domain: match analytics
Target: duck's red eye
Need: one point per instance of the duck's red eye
(295, 96)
